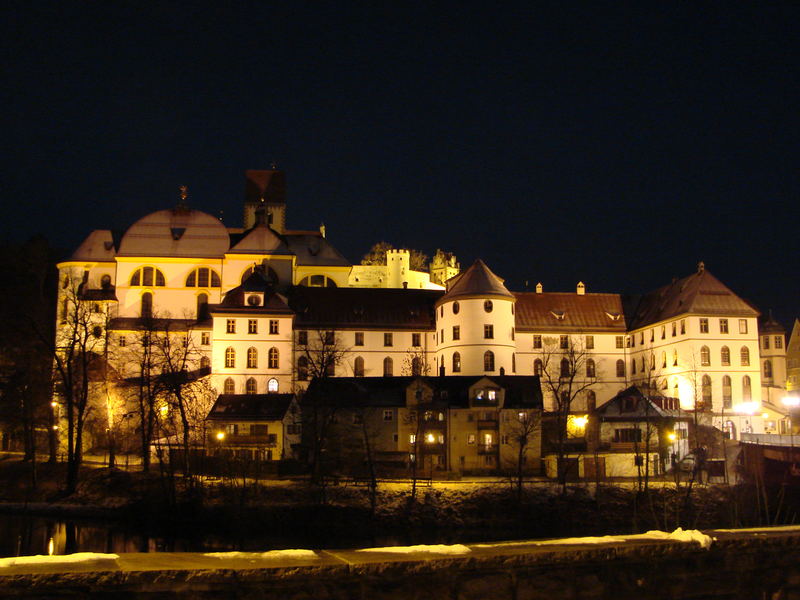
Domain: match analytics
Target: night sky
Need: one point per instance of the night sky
(614, 144)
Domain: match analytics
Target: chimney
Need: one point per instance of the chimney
(581, 289)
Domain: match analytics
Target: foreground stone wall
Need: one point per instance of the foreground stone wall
(741, 564)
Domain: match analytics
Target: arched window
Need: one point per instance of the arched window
(538, 368)
(633, 366)
(747, 390)
(705, 356)
(202, 306)
(302, 369)
(205, 362)
(488, 361)
(706, 388)
(317, 281)
(565, 367)
(230, 387)
(456, 362)
(767, 369)
(456, 308)
(745, 356)
(591, 401)
(725, 355)
(147, 305)
(416, 366)
(726, 392)
(230, 358)
(652, 362)
(252, 358)
(358, 367)
(388, 366)
(513, 362)
(272, 386)
(663, 360)
(203, 277)
(590, 368)
(272, 358)
(147, 277)
(620, 368)
(676, 391)
(674, 358)
(488, 306)
(250, 386)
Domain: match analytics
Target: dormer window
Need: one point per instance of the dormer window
(254, 299)
(558, 314)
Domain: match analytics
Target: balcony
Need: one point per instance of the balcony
(487, 448)
(262, 441)
(488, 424)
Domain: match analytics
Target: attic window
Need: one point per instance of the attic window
(177, 232)
(613, 316)
(358, 311)
(558, 314)
(108, 245)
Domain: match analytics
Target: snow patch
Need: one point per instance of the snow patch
(421, 548)
(680, 535)
(272, 554)
(60, 559)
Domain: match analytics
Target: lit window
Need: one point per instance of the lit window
(272, 358)
(230, 326)
(252, 326)
(488, 332)
(272, 386)
(252, 358)
(456, 332)
(723, 325)
(703, 325)
(387, 339)
(230, 358)
(359, 341)
(273, 326)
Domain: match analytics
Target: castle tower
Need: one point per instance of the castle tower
(772, 352)
(443, 267)
(475, 325)
(265, 199)
(398, 264)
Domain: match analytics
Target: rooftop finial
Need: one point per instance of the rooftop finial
(184, 195)
(273, 165)
(701, 266)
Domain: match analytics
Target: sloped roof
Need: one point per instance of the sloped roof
(699, 293)
(556, 311)
(312, 249)
(267, 184)
(260, 240)
(251, 407)
(640, 407)
(255, 282)
(377, 308)
(179, 232)
(768, 324)
(99, 246)
(477, 281)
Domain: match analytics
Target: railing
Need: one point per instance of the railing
(487, 424)
(771, 439)
(487, 448)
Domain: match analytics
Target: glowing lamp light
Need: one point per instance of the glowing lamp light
(164, 409)
(580, 422)
(764, 415)
(50, 547)
(54, 404)
(55, 427)
(791, 401)
(747, 408)
(672, 437)
(430, 438)
(220, 435)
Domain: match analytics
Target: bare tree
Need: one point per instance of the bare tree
(565, 377)
(415, 364)
(522, 430)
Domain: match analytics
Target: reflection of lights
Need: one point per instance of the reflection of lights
(164, 409)
(747, 408)
(791, 401)
(430, 438)
(50, 547)
(220, 435)
(55, 427)
(764, 415)
(54, 404)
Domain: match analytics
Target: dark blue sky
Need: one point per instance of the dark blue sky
(614, 144)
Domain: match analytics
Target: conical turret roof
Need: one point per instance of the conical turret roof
(477, 281)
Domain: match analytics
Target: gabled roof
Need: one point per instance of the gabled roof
(99, 246)
(699, 293)
(376, 308)
(569, 312)
(260, 240)
(476, 282)
(251, 407)
(234, 300)
(311, 249)
(633, 405)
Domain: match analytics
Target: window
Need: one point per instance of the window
(683, 326)
(633, 366)
(742, 325)
(726, 392)
(641, 338)
(705, 356)
(205, 362)
(359, 338)
(590, 342)
(388, 414)
(456, 362)
(250, 386)
(778, 341)
(537, 341)
(628, 435)
(488, 332)
(747, 390)
(488, 361)
(487, 306)
(147, 277)
(203, 277)
(230, 326)
(674, 328)
(416, 366)
(652, 335)
(416, 340)
(273, 326)
(663, 360)
(513, 333)
(590, 368)
(252, 358)
(230, 358)
(471, 438)
(302, 369)
(456, 332)
(563, 342)
(663, 332)
(202, 307)
(330, 338)
(272, 358)
(565, 370)
(767, 369)
(358, 367)
(703, 325)
(745, 356)
(765, 342)
(388, 366)
(537, 367)
(302, 338)
(620, 368)
(252, 326)
(230, 387)
(723, 325)
(456, 308)
(706, 391)
(591, 401)
(387, 339)
(619, 341)
(330, 368)
(147, 305)
(441, 337)
(725, 356)
(122, 341)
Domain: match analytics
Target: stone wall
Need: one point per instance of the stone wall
(741, 564)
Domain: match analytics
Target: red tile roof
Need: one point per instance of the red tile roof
(569, 312)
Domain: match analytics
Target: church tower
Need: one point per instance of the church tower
(265, 199)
